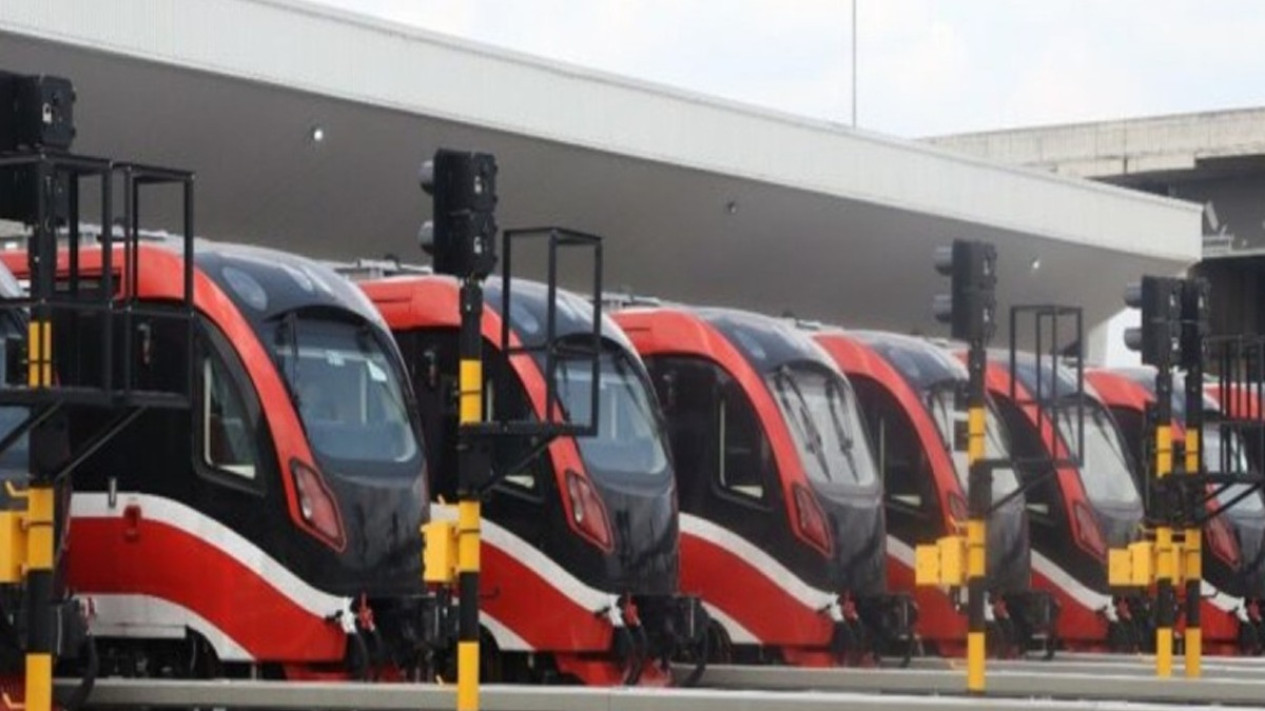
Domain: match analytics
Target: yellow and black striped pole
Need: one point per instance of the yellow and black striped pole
(1192, 547)
(39, 538)
(38, 597)
(1194, 329)
(470, 463)
(1167, 555)
(979, 499)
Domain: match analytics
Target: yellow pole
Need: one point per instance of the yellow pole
(976, 554)
(39, 576)
(39, 543)
(470, 384)
(468, 570)
(1166, 554)
(1193, 557)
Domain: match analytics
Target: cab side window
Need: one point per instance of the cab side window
(744, 456)
(901, 456)
(506, 399)
(713, 427)
(227, 442)
(227, 414)
(431, 356)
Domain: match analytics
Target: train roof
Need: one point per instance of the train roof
(924, 363)
(265, 283)
(767, 342)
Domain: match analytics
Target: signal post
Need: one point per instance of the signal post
(1165, 560)
(970, 310)
(1194, 330)
(462, 242)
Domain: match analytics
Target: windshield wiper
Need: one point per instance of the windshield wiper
(807, 427)
(840, 413)
(287, 334)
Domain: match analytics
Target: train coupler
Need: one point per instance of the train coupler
(888, 622)
(1251, 629)
(1032, 621)
(676, 629)
(412, 637)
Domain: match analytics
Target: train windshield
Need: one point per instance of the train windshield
(347, 390)
(1236, 462)
(1105, 470)
(940, 401)
(820, 410)
(629, 439)
(13, 459)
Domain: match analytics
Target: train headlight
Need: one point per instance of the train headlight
(317, 508)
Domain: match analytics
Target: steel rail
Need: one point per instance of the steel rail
(331, 696)
(1130, 665)
(1002, 684)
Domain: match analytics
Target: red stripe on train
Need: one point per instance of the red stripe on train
(166, 562)
(750, 598)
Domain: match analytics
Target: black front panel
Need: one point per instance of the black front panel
(1049, 514)
(911, 499)
(727, 475)
(627, 459)
(219, 459)
(1250, 532)
(859, 528)
(933, 373)
(830, 436)
(1009, 548)
(527, 501)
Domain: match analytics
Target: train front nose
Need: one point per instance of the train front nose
(1250, 532)
(381, 519)
(1009, 555)
(859, 551)
(645, 558)
(1119, 527)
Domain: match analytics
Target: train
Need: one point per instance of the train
(581, 570)
(1083, 491)
(751, 490)
(911, 389)
(782, 523)
(764, 448)
(1229, 624)
(321, 440)
(273, 530)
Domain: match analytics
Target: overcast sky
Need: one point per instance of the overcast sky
(926, 67)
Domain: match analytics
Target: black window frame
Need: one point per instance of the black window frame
(211, 343)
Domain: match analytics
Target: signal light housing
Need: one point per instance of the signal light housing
(36, 112)
(461, 238)
(1158, 339)
(1195, 322)
(970, 308)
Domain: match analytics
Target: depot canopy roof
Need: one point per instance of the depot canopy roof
(700, 200)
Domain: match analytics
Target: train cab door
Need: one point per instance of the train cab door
(1132, 424)
(910, 493)
(1048, 512)
(723, 459)
(519, 501)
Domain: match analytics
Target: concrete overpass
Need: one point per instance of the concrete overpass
(700, 200)
(1216, 159)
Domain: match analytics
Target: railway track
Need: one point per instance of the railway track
(1015, 680)
(930, 685)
